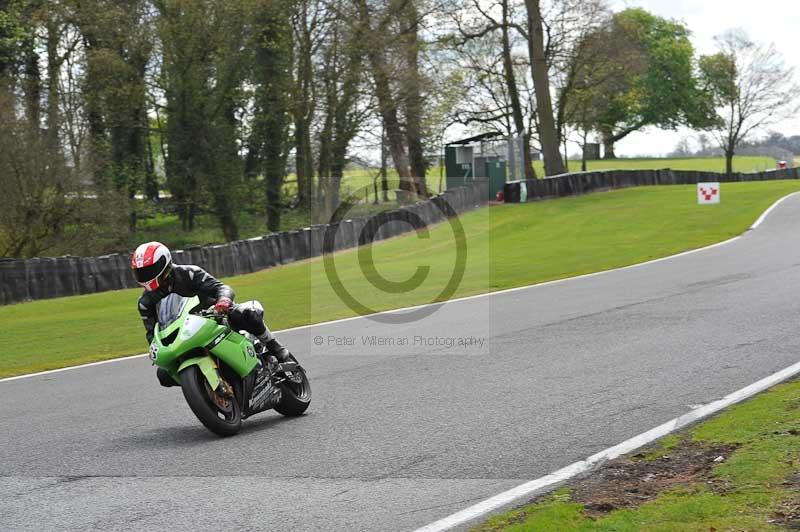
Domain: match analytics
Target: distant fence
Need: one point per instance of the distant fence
(42, 278)
(583, 182)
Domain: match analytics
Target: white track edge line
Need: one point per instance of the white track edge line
(770, 209)
(551, 480)
(449, 301)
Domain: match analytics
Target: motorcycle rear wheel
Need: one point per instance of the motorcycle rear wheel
(221, 421)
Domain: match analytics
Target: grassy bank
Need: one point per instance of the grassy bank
(507, 246)
(738, 471)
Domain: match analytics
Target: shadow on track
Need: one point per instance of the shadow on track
(189, 436)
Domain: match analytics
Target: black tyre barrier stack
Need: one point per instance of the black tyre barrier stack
(581, 183)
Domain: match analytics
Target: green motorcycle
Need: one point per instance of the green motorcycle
(223, 378)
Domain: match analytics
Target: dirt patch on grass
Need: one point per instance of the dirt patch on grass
(629, 482)
(788, 512)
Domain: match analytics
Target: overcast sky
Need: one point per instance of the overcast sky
(765, 21)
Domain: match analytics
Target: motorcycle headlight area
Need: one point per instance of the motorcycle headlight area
(191, 325)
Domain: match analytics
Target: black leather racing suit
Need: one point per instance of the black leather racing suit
(188, 281)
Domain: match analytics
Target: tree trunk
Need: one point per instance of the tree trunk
(583, 151)
(53, 98)
(387, 105)
(322, 212)
(729, 160)
(541, 84)
(337, 172)
(513, 94)
(303, 161)
(150, 181)
(32, 85)
(608, 144)
(413, 99)
(394, 133)
(322, 206)
(303, 110)
(384, 157)
(94, 114)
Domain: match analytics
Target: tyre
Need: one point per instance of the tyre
(220, 415)
(295, 397)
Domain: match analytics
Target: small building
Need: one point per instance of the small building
(479, 158)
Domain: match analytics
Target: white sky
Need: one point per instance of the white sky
(765, 21)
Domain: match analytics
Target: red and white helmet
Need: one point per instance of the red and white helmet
(151, 263)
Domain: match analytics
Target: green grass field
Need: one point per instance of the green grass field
(507, 246)
(754, 488)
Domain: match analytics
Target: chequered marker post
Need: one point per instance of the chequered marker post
(707, 193)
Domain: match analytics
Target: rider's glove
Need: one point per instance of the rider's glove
(223, 305)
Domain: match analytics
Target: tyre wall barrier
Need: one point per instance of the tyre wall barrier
(583, 182)
(42, 278)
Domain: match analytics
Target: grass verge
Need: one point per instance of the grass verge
(738, 471)
(507, 246)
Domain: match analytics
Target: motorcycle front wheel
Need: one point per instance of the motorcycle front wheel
(295, 396)
(219, 414)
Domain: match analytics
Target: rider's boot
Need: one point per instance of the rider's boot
(272, 347)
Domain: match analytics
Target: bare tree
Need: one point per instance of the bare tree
(375, 24)
(751, 87)
(309, 20)
(490, 24)
(35, 185)
(575, 59)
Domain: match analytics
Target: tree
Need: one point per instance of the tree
(574, 58)
(652, 81)
(272, 43)
(378, 26)
(13, 32)
(488, 26)
(750, 86)
(202, 75)
(682, 148)
(307, 19)
(35, 185)
(703, 144)
(548, 136)
(118, 41)
(412, 98)
(342, 89)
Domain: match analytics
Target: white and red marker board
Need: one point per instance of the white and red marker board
(707, 193)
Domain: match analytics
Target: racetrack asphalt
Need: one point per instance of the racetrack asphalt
(399, 436)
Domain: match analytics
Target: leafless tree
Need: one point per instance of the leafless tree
(751, 86)
(495, 25)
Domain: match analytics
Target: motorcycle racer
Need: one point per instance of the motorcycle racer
(153, 269)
